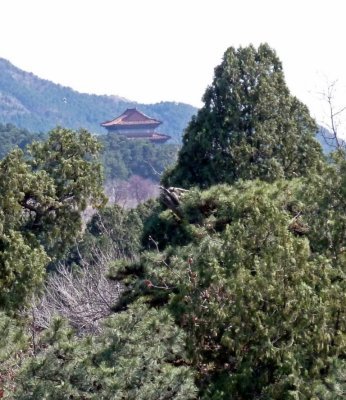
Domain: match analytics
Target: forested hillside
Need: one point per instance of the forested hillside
(231, 285)
(12, 136)
(40, 105)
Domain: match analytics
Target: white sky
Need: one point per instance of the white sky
(154, 50)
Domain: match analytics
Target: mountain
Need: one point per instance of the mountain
(39, 105)
(36, 104)
(327, 140)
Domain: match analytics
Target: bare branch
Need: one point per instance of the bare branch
(171, 198)
(84, 297)
(154, 170)
(329, 96)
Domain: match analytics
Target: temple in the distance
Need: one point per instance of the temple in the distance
(135, 125)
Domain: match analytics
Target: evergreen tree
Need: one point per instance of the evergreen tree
(42, 196)
(324, 199)
(265, 316)
(249, 127)
(14, 341)
(138, 356)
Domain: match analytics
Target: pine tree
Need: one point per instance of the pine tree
(14, 341)
(249, 127)
(138, 356)
(41, 199)
(264, 314)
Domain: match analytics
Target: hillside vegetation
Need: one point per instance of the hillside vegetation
(40, 105)
(121, 158)
(231, 285)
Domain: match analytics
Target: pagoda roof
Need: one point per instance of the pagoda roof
(153, 137)
(131, 117)
(159, 137)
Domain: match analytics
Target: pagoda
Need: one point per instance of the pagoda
(135, 125)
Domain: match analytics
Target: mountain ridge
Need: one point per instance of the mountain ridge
(37, 104)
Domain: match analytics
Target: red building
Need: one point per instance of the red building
(135, 125)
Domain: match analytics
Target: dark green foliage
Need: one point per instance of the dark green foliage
(160, 230)
(11, 136)
(249, 127)
(13, 340)
(261, 301)
(265, 316)
(113, 229)
(137, 356)
(39, 105)
(42, 197)
(334, 386)
(69, 161)
(238, 290)
(325, 209)
(22, 258)
(123, 158)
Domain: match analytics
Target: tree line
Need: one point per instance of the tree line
(121, 158)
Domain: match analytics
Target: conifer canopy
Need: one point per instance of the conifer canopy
(249, 127)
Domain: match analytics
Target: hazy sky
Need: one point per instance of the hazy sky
(153, 50)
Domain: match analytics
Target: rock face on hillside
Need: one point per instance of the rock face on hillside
(39, 105)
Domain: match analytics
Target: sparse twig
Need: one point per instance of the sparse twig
(334, 114)
(83, 297)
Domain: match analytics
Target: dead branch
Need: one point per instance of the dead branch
(171, 198)
(84, 297)
(334, 115)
